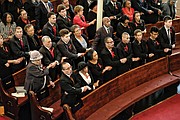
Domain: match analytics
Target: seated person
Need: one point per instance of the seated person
(110, 57)
(139, 49)
(85, 78)
(8, 26)
(79, 18)
(67, 48)
(23, 19)
(70, 88)
(127, 9)
(6, 59)
(36, 77)
(63, 21)
(154, 46)
(51, 55)
(51, 28)
(138, 23)
(126, 52)
(124, 26)
(96, 67)
(20, 48)
(105, 31)
(33, 40)
(167, 37)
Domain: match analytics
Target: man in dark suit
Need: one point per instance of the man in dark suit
(36, 77)
(51, 55)
(66, 47)
(105, 31)
(154, 45)
(63, 21)
(50, 28)
(126, 52)
(33, 40)
(140, 49)
(41, 11)
(113, 10)
(20, 48)
(70, 88)
(167, 34)
(110, 57)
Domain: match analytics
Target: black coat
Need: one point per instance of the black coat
(114, 62)
(63, 22)
(48, 30)
(48, 58)
(34, 45)
(41, 14)
(70, 91)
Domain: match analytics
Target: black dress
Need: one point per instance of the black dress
(96, 71)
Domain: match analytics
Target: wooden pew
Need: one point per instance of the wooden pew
(12, 104)
(52, 101)
(174, 61)
(113, 97)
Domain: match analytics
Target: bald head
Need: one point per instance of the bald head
(106, 21)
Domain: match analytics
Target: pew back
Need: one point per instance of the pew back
(120, 85)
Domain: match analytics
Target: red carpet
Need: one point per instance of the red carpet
(167, 110)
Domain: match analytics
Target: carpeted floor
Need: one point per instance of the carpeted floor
(168, 109)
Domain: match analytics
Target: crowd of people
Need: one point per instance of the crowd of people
(67, 44)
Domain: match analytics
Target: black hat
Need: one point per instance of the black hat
(93, 4)
(81, 65)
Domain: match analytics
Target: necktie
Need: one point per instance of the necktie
(108, 30)
(54, 30)
(169, 36)
(52, 52)
(112, 53)
(34, 41)
(47, 7)
(21, 43)
(126, 48)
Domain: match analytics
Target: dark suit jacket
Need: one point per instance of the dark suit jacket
(41, 14)
(48, 30)
(16, 48)
(163, 37)
(108, 60)
(34, 45)
(63, 23)
(101, 34)
(35, 77)
(70, 91)
(47, 59)
(155, 47)
(140, 50)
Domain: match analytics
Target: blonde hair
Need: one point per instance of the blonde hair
(78, 8)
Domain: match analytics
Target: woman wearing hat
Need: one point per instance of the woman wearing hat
(36, 77)
(85, 78)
